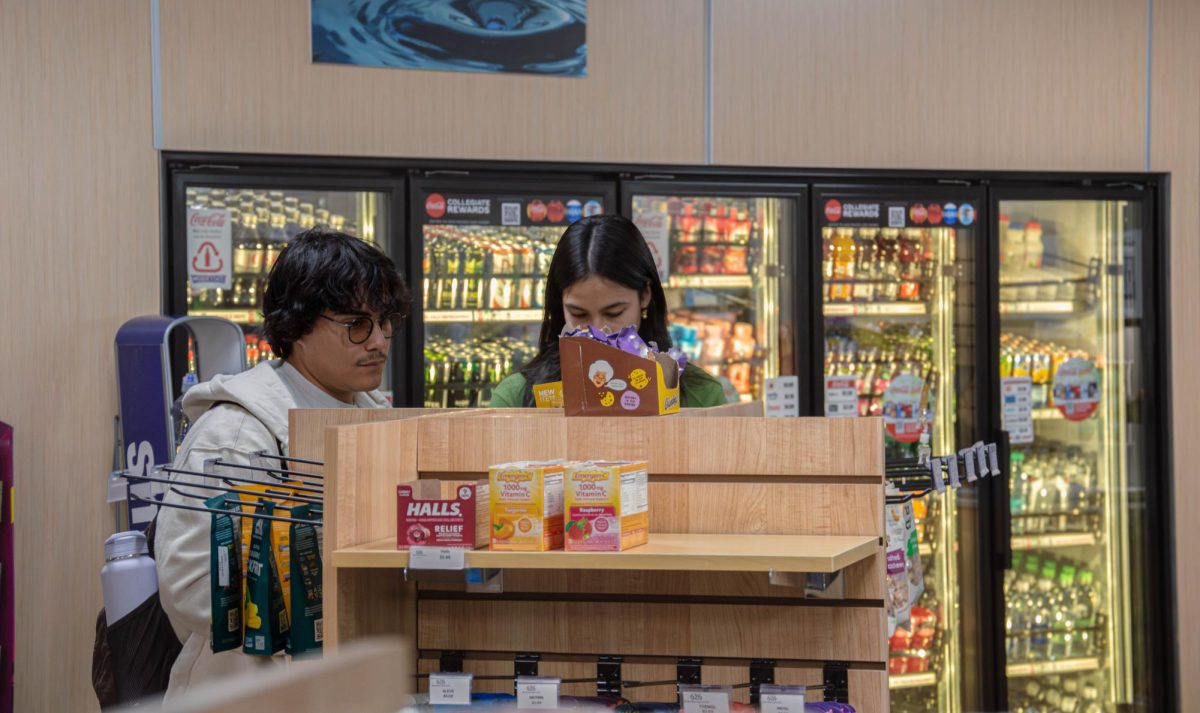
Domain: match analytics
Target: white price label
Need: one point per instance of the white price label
(705, 699)
(783, 396)
(451, 558)
(841, 397)
(1016, 408)
(781, 699)
(450, 689)
(535, 693)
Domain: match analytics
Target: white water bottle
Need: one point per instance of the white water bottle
(128, 577)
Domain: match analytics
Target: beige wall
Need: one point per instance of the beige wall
(1175, 147)
(237, 76)
(78, 255)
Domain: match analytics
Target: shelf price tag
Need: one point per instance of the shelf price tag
(781, 699)
(705, 699)
(450, 689)
(1016, 408)
(448, 558)
(537, 692)
(783, 396)
(841, 397)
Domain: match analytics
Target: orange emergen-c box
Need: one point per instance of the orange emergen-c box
(607, 506)
(527, 506)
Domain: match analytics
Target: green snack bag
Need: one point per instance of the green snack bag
(265, 614)
(225, 574)
(307, 633)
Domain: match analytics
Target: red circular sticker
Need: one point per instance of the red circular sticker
(902, 408)
(935, 214)
(1076, 389)
(917, 214)
(833, 210)
(557, 211)
(435, 205)
(536, 210)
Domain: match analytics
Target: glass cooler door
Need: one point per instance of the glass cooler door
(724, 254)
(1072, 391)
(484, 249)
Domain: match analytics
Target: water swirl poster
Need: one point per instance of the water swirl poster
(546, 37)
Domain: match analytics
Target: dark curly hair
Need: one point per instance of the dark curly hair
(322, 270)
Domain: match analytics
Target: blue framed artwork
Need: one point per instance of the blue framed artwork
(513, 36)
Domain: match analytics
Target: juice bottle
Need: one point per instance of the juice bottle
(843, 264)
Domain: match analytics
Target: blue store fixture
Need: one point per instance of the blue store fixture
(145, 382)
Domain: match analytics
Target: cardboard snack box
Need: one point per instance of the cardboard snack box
(601, 380)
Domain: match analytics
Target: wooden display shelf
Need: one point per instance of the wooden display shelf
(665, 552)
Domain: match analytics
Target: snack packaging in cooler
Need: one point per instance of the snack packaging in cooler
(526, 505)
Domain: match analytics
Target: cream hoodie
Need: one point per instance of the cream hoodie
(233, 418)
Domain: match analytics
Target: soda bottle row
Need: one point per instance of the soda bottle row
(1056, 694)
(1054, 490)
(486, 268)
(876, 360)
(246, 293)
(269, 215)
(707, 220)
(257, 350)
(1052, 610)
(877, 264)
(1039, 360)
(690, 259)
(463, 374)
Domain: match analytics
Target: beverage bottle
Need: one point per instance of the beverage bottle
(710, 230)
(307, 219)
(739, 231)
(1034, 247)
(843, 264)
(827, 263)
(243, 246)
(262, 215)
(910, 265)
(322, 217)
(864, 265)
(888, 264)
(689, 224)
(128, 577)
(338, 223)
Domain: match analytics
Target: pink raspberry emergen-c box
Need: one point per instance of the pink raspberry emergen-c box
(442, 514)
(607, 506)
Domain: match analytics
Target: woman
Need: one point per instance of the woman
(602, 274)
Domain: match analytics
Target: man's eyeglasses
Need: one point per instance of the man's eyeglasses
(359, 329)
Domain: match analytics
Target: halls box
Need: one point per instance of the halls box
(442, 513)
(601, 380)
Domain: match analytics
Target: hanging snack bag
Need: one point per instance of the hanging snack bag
(912, 556)
(225, 574)
(898, 606)
(265, 613)
(306, 612)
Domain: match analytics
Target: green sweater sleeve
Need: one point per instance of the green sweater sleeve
(699, 389)
(509, 393)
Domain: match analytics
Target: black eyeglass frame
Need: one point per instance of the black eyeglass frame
(393, 318)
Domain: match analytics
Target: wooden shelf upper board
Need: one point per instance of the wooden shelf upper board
(667, 552)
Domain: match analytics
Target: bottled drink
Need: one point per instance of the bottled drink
(887, 256)
(910, 265)
(843, 265)
(711, 228)
(864, 268)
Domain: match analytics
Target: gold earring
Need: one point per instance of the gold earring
(645, 313)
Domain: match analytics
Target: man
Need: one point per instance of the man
(331, 308)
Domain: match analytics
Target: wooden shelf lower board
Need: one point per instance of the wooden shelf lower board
(677, 552)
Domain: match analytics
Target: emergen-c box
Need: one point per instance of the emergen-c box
(442, 513)
(607, 506)
(527, 506)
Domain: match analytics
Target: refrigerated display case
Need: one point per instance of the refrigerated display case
(1073, 397)
(725, 255)
(484, 249)
(230, 230)
(897, 298)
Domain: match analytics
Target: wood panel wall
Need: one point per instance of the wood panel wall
(993, 84)
(1175, 147)
(237, 76)
(78, 256)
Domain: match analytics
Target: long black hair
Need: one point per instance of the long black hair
(608, 246)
